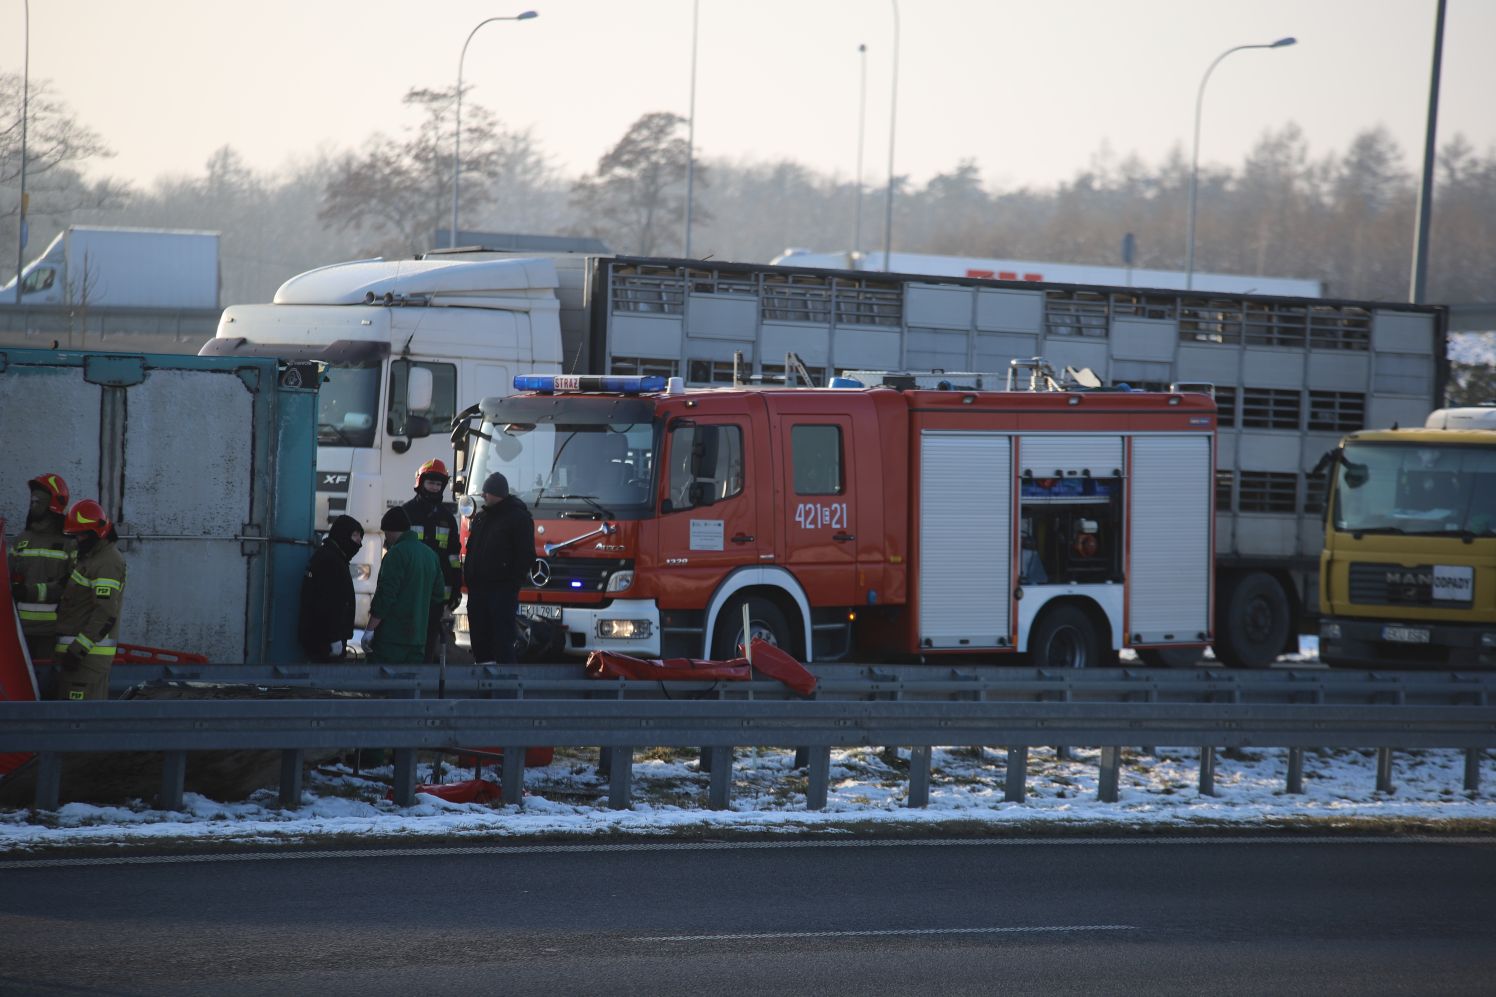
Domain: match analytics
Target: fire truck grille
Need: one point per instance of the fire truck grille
(575, 574)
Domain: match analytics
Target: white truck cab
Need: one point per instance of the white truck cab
(407, 344)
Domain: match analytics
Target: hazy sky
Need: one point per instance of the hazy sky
(1030, 89)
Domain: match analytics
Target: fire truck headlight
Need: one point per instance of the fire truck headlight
(1329, 631)
(360, 572)
(624, 629)
(619, 581)
(466, 506)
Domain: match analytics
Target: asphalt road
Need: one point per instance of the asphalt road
(1265, 915)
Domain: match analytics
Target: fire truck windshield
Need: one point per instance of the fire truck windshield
(1415, 488)
(571, 459)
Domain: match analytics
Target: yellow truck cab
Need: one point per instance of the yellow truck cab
(1408, 570)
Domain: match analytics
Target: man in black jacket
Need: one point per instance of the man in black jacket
(327, 602)
(434, 523)
(500, 554)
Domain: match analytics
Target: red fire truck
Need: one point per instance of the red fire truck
(861, 522)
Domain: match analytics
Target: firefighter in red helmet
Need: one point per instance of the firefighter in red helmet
(40, 562)
(89, 610)
(433, 522)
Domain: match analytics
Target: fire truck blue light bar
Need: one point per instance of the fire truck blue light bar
(610, 383)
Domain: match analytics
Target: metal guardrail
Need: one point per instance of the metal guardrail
(176, 727)
(858, 682)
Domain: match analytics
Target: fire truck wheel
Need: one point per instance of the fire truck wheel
(1255, 613)
(1065, 637)
(765, 622)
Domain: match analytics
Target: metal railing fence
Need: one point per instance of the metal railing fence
(619, 726)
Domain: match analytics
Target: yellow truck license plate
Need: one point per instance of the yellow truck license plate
(1405, 635)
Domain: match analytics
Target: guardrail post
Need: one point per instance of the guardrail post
(802, 758)
(919, 775)
(1472, 770)
(818, 761)
(173, 777)
(605, 761)
(620, 777)
(1384, 770)
(1207, 770)
(1295, 771)
(719, 761)
(1016, 780)
(1111, 763)
(405, 777)
(704, 763)
(290, 788)
(514, 775)
(48, 780)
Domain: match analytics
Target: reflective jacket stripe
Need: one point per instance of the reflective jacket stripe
(104, 648)
(37, 612)
(56, 555)
(97, 583)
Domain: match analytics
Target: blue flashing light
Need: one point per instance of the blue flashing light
(845, 382)
(618, 384)
(576, 584)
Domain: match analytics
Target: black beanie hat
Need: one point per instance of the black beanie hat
(496, 484)
(396, 520)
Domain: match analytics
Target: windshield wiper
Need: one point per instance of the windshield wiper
(552, 472)
(592, 501)
(1382, 530)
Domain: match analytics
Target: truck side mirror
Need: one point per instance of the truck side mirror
(418, 391)
(701, 493)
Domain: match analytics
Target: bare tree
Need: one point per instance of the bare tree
(398, 191)
(57, 147)
(638, 190)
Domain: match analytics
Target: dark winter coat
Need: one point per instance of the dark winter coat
(500, 547)
(327, 602)
(434, 523)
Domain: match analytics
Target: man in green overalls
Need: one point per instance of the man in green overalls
(410, 580)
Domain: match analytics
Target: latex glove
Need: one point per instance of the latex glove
(366, 641)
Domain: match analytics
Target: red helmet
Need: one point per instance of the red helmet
(87, 517)
(433, 467)
(54, 486)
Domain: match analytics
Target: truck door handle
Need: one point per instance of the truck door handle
(742, 538)
(842, 538)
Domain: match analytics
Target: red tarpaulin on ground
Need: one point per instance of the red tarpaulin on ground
(767, 659)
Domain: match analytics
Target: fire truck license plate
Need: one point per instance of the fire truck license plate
(1405, 635)
(534, 611)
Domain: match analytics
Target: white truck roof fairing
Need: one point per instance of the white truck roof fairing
(466, 282)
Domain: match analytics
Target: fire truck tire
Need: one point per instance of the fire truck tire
(1065, 637)
(765, 620)
(1255, 614)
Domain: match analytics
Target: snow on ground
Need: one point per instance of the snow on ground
(867, 795)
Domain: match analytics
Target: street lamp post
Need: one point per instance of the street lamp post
(691, 130)
(1189, 247)
(25, 102)
(893, 113)
(457, 129)
(861, 129)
